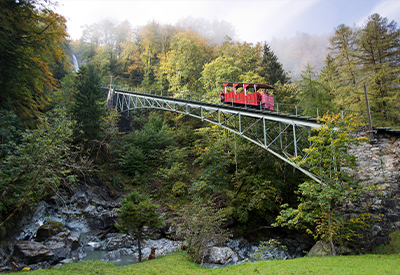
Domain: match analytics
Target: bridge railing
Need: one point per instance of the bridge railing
(378, 119)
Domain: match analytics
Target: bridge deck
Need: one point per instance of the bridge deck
(252, 112)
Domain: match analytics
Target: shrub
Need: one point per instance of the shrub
(266, 247)
(201, 225)
(179, 189)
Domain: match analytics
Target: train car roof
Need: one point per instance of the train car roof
(248, 85)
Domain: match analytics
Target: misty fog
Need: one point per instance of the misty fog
(295, 52)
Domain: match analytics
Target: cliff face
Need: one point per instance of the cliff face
(378, 164)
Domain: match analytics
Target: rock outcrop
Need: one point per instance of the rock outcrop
(65, 245)
(222, 255)
(378, 165)
(30, 252)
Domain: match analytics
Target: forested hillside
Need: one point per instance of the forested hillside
(180, 59)
(56, 132)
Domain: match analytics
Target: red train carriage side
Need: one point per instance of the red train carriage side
(253, 94)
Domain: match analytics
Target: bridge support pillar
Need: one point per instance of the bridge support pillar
(110, 98)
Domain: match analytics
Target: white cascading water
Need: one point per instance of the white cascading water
(76, 65)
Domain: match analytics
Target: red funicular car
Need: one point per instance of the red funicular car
(251, 94)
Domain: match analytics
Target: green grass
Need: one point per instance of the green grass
(177, 263)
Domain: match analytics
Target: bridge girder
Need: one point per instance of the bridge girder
(284, 136)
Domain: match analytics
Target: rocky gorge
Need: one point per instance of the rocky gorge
(78, 224)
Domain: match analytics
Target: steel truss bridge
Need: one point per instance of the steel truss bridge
(283, 135)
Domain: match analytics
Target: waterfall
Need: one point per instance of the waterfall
(76, 65)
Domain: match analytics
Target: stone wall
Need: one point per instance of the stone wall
(378, 164)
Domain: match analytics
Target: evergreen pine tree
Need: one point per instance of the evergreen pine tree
(349, 93)
(311, 92)
(327, 82)
(89, 105)
(270, 69)
(136, 212)
(378, 54)
(370, 55)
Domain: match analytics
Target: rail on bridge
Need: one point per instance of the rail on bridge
(283, 135)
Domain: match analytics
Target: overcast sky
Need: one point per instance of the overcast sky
(254, 21)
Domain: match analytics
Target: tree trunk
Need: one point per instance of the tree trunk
(140, 247)
(106, 232)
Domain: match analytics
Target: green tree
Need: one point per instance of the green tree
(220, 69)
(183, 64)
(31, 38)
(201, 226)
(327, 80)
(175, 174)
(89, 106)
(136, 213)
(308, 86)
(37, 166)
(260, 184)
(105, 38)
(246, 55)
(378, 51)
(342, 48)
(10, 132)
(328, 159)
(215, 178)
(144, 148)
(368, 54)
(110, 135)
(251, 77)
(65, 96)
(270, 69)
(241, 178)
(311, 93)
(123, 35)
(149, 41)
(130, 66)
(286, 93)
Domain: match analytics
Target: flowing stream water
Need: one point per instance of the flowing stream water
(99, 254)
